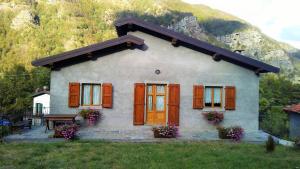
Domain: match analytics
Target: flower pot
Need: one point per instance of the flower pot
(57, 134)
(158, 135)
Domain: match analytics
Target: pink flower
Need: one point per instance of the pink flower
(214, 117)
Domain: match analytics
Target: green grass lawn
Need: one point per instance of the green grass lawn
(92, 154)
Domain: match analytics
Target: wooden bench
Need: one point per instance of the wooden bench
(64, 118)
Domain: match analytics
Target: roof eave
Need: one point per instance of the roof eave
(125, 25)
(47, 61)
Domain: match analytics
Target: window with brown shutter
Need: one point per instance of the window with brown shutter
(90, 94)
(198, 96)
(213, 96)
(74, 94)
(107, 95)
(139, 104)
(230, 97)
(173, 104)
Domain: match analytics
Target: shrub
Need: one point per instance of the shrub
(4, 130)
(270, 144)
(214, 117)
(297, 142)
(165, 132)
(235, 133)
(68, 131)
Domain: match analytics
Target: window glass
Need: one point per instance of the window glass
(160, 103)
(160, 89)
(96, 94)
(39, 108)
(149, 89)
(86, 94)
(208, 97)
(217, 96)
(150, 102)
(213, 96)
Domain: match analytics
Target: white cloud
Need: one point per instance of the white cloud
(271, 16)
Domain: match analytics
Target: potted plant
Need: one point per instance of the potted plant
(84, 113)
(169, 131)
(93, 116)
(214, 118)
(67, 131)
(223, 132)
(234, 133)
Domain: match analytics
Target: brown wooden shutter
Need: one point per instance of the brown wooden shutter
(173, 104)
(230, 98)
(107, 95)
(198, 96)
(139, 104)
(74, 94)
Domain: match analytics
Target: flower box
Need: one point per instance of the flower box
(57, 133)
(93, 116)
(165, 132)
(235, 133)
(214, 118)
(67, 131)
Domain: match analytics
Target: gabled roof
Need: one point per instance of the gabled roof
(295, 108)
(109, 46)
(132, 24)
(40, 93)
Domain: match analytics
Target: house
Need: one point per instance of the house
(294, 118)
(41, 105)
(150, 75)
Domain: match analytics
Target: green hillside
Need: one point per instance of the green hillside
(31, 29)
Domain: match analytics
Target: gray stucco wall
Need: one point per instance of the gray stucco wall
(294, 125)
(177, 65)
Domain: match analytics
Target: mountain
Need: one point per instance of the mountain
(31, 29)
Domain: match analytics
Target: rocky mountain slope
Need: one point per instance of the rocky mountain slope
(36, 28)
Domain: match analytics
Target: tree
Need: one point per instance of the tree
(276, 92)
(17, 86)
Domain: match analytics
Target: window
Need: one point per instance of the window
(91, 94)
(39, 109)
(213, 96)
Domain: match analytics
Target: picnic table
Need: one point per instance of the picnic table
(59, 118)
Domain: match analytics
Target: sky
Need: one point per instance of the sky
(279, 19)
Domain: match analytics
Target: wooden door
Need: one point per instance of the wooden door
(156, 104)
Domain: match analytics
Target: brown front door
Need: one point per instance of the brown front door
(156, 104)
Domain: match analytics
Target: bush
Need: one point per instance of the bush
(4, 131)
(235, 133)
(214, 118)
(68, 131)
(270, 144)
(297, 142)
(165, 132)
